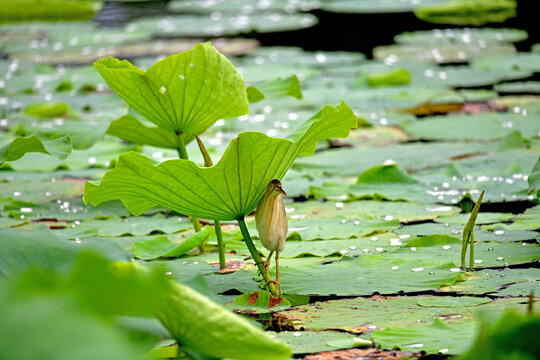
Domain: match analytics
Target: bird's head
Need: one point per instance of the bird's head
(274, 188)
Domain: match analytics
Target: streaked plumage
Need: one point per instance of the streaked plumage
(271, 221)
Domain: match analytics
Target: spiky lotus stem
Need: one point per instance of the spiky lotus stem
(255, 255)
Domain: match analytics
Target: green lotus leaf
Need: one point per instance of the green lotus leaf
(467, 12)
(230, 189)
(279, 87)
(129, 128)
(16, 149)
(534, 179)
(183, 93)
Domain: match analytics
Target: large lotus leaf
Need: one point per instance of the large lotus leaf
(184, 93)
(474, 127)
(360, 314)
(317, 248)
(362, 276)
(514, 282)
(230, 189)
(457, 230)
(486, 254)
(434, 338)
(59, 147)
(354, 210)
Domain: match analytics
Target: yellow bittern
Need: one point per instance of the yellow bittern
(271, 223)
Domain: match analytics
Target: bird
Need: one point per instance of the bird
(271, 221)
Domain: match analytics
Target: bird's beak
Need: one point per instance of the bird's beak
(281, 191)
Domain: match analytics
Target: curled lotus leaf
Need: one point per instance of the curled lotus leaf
(230, 189)
(184, 93)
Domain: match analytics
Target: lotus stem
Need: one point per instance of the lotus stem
(182, 153)
(471, 259)
(204, 152)
(221, 250)
(217, 224)
(468, 234)
(255, 255)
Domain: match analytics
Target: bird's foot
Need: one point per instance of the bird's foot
(276, 284)
(265, 267)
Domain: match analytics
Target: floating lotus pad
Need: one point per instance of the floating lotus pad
(227, 25)
(482, 36)
(375, 7)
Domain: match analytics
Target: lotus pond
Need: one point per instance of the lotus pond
(137, 139)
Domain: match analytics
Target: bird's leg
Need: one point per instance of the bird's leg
(266, 263)
(278, 284)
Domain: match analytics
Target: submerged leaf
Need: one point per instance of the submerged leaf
(230, 189)
(184, 93)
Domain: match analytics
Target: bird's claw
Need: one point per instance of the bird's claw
(276, 284)
(265, 264)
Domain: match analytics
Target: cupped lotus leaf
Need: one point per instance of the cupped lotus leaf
(183, 93)
(230, 189)
(16, 149)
